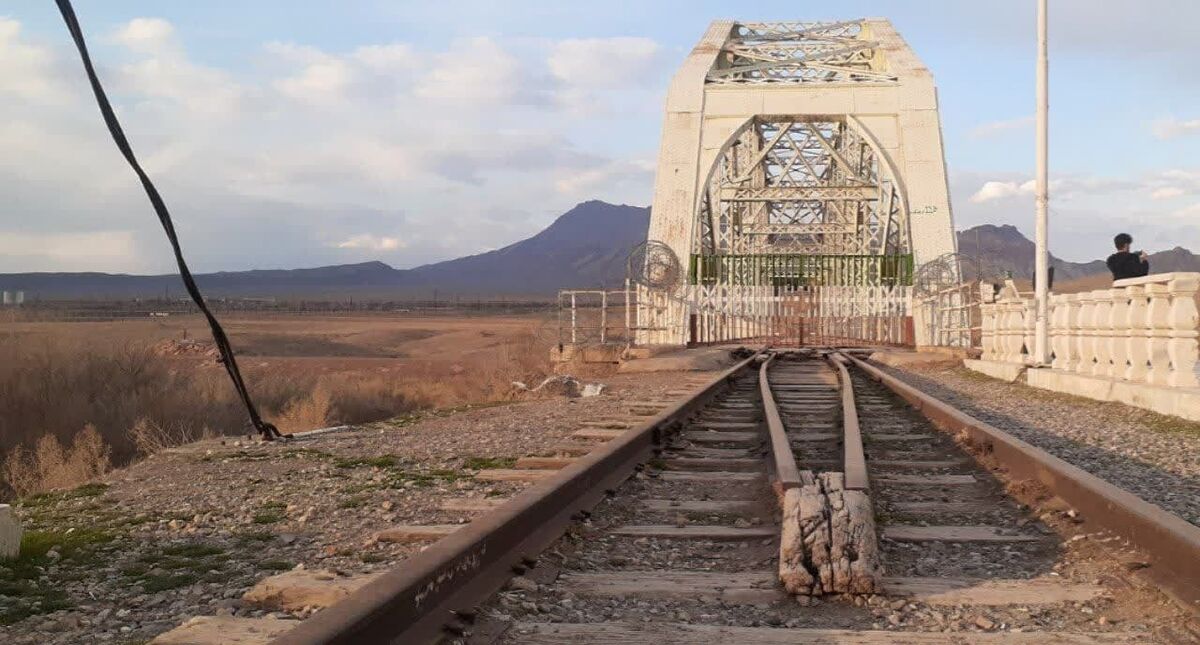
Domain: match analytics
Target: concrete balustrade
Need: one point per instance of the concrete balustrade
(1142, 331)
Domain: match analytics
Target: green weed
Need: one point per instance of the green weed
(487, 463)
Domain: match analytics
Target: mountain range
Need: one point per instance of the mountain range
(1003, 250)
(586, 247)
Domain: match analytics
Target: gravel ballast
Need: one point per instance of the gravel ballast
(1153, 456)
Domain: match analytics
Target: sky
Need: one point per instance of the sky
(293, 134)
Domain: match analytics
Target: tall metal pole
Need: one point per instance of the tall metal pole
(1042, 258)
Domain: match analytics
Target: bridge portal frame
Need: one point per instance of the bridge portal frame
(863, 73)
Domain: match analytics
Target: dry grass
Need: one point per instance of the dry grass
(307, 412)
(137, 402)
(51, 466)
(149, 437)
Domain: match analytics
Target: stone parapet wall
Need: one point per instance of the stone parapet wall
(1142, 330)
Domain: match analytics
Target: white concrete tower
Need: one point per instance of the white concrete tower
(796, 153)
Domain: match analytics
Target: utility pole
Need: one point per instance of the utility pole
(1041, 353)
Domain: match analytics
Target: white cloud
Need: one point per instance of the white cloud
(371, 242)
(1171, 184)
(322, 81)
(591, 74)
(1173, 128)
(996, 128)
(1167, 192)
(27, 71)
(474, 71)
(994, 190)
(80, 251)
(593, 183)
(603, 62)
(164, 71)
(387, 151)
(1064, 188)
(1189, 214)
(1087, 210)
(147, 35)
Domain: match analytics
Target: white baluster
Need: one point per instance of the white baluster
(1072, 335)
(1084, 340)
(1030, 331)
(1119, 328)
(987, 331)
(1014, 329)
(1137, 345)
(1058, 330)
(1001, 341)
(1159, 332)
(1103, 332)
(1182, 322)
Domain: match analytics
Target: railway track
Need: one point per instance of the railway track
(671, 533)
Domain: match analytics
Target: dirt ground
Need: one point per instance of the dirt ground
(327, 342)
(188, 531)
(304, 371)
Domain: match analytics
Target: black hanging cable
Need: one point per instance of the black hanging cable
(268, 431)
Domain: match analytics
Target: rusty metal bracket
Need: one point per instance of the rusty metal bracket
(1172, 544)
(413, 602)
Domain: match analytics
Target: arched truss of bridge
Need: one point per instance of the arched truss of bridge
(806, 52)
(797, 157)
(813, 186)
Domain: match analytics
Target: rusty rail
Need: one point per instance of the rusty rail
(1172, 544)
(417, 600)
(786, 473)
(854, 462)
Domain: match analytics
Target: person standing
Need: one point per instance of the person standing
(1124, 264)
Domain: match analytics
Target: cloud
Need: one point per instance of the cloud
(1171, 128)
(994, 190)
(1062, 188)
(147, 35)
(1167, 192)
(603, 62)
(371, 242)
(1171, 184)
(474, 71)
(163, 70)
(1087, 210)
(591, 73)
(81, 251)
(996, 128)
(28, 71)
(595, 182)
(302, 155)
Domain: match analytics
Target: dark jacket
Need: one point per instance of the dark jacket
(1124, 264)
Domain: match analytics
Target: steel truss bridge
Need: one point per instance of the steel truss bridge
(798, 158)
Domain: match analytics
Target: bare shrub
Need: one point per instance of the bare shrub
(369, 398)
(150, 437)
(50, 466)
(307, 412)
(138, 402)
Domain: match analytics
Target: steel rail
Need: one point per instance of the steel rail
(786, 473)
(1171, 543)
(418, 599)
(854, 461)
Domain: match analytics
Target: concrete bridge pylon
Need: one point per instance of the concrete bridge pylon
(795, 155)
